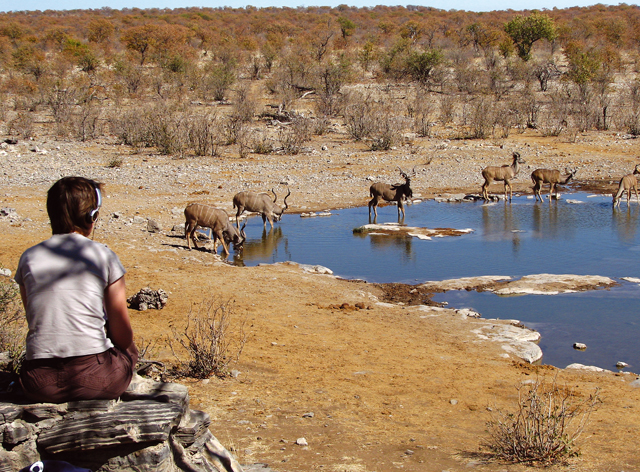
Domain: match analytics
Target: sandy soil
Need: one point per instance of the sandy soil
(369, 385)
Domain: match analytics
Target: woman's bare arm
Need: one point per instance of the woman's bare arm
(119, 326)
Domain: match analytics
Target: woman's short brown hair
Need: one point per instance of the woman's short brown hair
(70, 202)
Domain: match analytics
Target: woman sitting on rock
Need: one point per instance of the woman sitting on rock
(80, 342)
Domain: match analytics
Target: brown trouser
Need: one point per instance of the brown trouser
(102, 376)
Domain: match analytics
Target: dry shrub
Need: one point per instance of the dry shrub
(388, 130)
(557, 114)
(86, 122)
(261, 143)
(161, 126)
(293, 136)
(320, 125)
(203, 134)
(22, 125)
(544, 429)
(421, 111)
(480, 116)
(115, 162)
(359, 115)
(213, 339)
(13, 327)
(447, 108)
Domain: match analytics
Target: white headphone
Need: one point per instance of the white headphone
(93, 216)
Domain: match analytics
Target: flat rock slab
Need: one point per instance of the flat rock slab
(537, 284)
(513, 337)
(552, 284)
(465, 283)
(393, 229)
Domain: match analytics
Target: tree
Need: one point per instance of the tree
(420, 64)
(347, 27)
(100, 30)
(140, 39)
(525, 31)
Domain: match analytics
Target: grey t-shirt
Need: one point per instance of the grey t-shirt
(65, 277)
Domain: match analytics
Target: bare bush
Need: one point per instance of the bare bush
(359, 115)
(203, 134)
(293, 136)
(447, 108)
(388, 129)
(13, 327)
(320, 125)
(261, 143)
(480, 118)
(129, 129)
(421, 111)
(544, 429)
(115, 162)
(629, 118)
(161, 126)
(557, 114)
(22, 125)
(86, 122)
(213, 339)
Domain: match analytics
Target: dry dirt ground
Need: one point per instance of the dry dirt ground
(380, 388)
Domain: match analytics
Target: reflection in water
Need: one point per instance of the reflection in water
(402, 242)
(265, 248)
(500, 222)
(625, 222)
(545, 220)
(374, 221)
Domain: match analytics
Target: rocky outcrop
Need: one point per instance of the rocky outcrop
(150, 428)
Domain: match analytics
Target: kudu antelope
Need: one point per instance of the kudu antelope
(551, 177)
(391, 193)
(501, 174)
(628, 182)
(260, 203)
(218, 221)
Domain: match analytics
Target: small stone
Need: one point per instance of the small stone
(153, 226)
(453, 402)
(302, 442)
(308, 415)
(579, 346)
(621, 365)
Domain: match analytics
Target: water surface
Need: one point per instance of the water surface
(524, 237)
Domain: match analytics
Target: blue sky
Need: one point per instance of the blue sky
(473, 5)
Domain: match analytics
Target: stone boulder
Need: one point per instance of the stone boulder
(149, 429)
(148, 298)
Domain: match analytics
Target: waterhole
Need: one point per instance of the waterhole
(578, 234)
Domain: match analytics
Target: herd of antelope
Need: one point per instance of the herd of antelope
(225, 233)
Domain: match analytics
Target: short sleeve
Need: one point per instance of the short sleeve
(114, 267)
